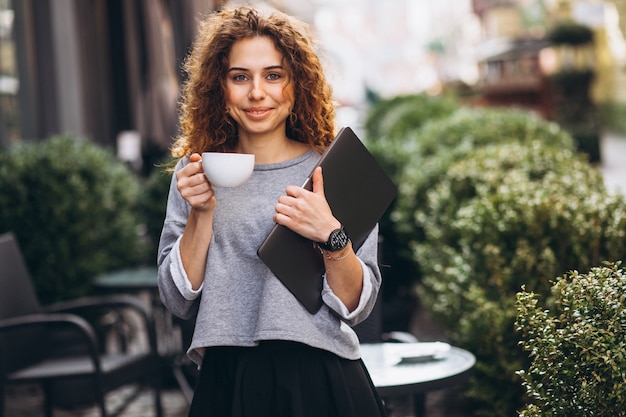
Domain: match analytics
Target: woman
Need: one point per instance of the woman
(255, 85)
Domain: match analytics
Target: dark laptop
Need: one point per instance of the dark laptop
(358, 191)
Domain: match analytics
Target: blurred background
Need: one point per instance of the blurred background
(109, 70)
(502, 122)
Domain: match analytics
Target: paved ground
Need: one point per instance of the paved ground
(26, 401)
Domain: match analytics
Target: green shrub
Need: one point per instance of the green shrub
(570, 33)
(389, 135)
(575, 111)
(440, 143)
(587, 138)
(504, 216)
(152, 206)
(390, 124)
(573, 82)
(577, 343)
(611, 115)
(394, 117)
(72, 207)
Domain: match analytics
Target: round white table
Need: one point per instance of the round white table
(413, 369)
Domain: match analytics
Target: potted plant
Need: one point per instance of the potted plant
(72, 206)
(504, 216)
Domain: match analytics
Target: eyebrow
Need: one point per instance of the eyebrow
(271, 67)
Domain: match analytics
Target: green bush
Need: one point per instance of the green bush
(577, 343)
(611, 115)
(390, 124)
(152, 206)
(72, 206)
(440, 143)
(573, 82)
(504, 216)
(587, 138)
(389, 135)
(570, 33)
(574, 110)
(395, 116)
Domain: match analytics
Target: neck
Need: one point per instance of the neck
(271, 150)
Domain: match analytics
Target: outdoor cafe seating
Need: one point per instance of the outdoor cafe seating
(59, 349)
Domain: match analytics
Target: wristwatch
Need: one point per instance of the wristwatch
(337, 240)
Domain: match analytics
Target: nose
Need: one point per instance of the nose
(256, 90)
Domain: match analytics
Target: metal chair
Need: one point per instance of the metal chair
(30, 334)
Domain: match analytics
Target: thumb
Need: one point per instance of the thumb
(318, 181)
(195, 157)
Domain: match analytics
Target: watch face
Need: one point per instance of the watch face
(338, 240)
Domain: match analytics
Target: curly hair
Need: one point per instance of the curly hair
(205, 125)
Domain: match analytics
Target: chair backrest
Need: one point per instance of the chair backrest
(17, 294)
(17, 298)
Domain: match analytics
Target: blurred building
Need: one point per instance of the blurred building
(514, 77)
(515, 61)
(109, 69)
(93, 68)
(105, 69)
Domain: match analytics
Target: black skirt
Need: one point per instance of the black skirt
(282, 379)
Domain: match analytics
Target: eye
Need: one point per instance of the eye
(274, 76)
(239, 77)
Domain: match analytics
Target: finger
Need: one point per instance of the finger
(196, 159)
(192, 168)
(281, 219)
(318, 181)
(294, 191)
(286, 210)
(287, 200)
(191, 175)
(191, 188)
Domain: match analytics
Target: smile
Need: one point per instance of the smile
(257, 112)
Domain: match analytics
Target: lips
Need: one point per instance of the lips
(257, 113)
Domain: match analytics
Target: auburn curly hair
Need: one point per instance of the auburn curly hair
(205, 125)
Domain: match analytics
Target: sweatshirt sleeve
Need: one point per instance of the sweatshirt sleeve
(174, 287)
(372, 280)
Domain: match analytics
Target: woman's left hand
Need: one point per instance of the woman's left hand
(307, 212)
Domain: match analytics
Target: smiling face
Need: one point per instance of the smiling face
(259, 94)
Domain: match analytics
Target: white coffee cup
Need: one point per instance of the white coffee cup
(227, 169)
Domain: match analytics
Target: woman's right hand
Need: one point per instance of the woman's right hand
(194, 186)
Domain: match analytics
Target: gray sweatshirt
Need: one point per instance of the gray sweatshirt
(241, 302)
